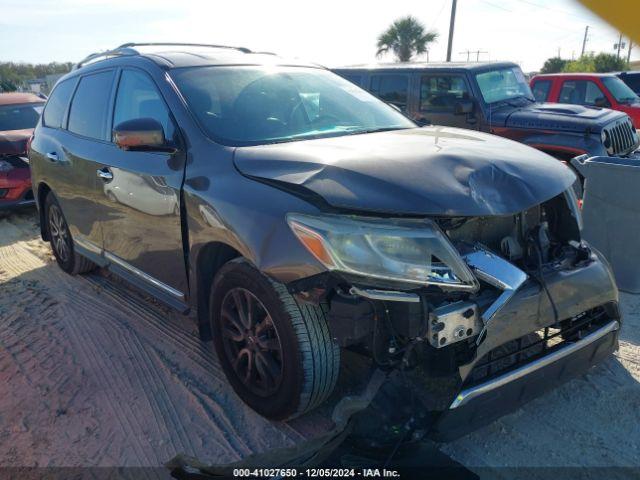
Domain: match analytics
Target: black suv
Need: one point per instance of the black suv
(301, 216)
(495, 98)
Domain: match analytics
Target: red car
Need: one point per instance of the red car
(19, 113)
(595, 89)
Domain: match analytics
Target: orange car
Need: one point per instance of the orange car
(19, 113)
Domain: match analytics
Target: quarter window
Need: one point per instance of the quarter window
(88, 114)
(541, 90)
(581, 92)
(58, 103)
(138, 97)
(391, 88)
(440, 93)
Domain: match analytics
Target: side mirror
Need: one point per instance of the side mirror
(139, 134)
(463, 107)
(602, 102)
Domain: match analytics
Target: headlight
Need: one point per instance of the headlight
(406, 251)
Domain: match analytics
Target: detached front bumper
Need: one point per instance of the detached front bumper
(586, 298)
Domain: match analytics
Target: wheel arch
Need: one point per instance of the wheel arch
(210, 258)
(41, 195)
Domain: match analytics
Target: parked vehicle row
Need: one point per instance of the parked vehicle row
(19, 113)
(589, 89)
(305, 216)
(496, 98)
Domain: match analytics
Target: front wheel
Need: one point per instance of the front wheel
(278, 355)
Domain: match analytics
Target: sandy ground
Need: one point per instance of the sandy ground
(95, 374)
(92, 373)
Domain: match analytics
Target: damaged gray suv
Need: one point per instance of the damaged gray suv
(301, 216)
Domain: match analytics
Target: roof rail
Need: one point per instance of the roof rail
(180, 44)
(128, 49)
(116, 52)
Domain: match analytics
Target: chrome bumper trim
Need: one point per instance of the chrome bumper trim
(385, 295)
(469, 394)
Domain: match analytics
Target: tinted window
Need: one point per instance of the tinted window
(357, 79)
(391, 88)
(58, 103)
(138, 98)
(633, 80)
(541, 90)
(18, 117)
(88, 114)
(442, 92)
(257, 105)
(580, 92)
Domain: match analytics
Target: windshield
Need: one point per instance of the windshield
(503, 84)
(620, 90)
(19, 117)
(257, 105)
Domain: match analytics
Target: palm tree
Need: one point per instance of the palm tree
(406, 37)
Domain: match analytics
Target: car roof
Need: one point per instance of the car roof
(577, 74)
(177, 55)
(16, 98)
(471, 66)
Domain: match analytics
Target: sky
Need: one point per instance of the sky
(329, 32)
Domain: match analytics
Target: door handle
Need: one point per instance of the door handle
(105, 174)
(53, 156)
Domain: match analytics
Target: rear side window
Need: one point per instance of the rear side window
(138, 98)
(88, 114)
(391, 88)
(633, 80)
(58, 103)
(440, 93)
(541, 90)
(580, 92)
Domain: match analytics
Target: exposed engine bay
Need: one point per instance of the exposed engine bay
(441, 329)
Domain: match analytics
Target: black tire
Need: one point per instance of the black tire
(309, 359)
(60, 239)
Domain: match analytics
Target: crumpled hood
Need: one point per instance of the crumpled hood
(561, 116)
(14, 142)
(422, 171)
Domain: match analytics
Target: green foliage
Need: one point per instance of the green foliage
(405, 37)
(607, 62)
(601, 63)
(553, 65)
(14, 75)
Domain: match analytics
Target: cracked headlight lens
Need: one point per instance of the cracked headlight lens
(406, 251)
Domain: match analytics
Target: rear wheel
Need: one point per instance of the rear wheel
(61, 242)
(278, 355)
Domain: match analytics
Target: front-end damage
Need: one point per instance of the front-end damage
(541, 303)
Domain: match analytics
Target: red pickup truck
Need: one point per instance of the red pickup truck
(591, 89)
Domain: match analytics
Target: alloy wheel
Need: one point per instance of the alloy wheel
(59, 233)
(251, 342)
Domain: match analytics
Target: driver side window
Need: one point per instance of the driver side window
(440, 93)
(138, 98)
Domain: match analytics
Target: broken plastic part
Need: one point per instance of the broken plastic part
(496, 272)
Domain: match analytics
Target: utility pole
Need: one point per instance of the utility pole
(584, 42)
(629, 52)
(619, 45)
(451, 25)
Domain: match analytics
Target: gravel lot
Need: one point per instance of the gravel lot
(95, 374)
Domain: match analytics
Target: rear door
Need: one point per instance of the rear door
(72, 145)
(140, 191)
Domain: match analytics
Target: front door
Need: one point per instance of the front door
(439, 94)
(141, 192)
